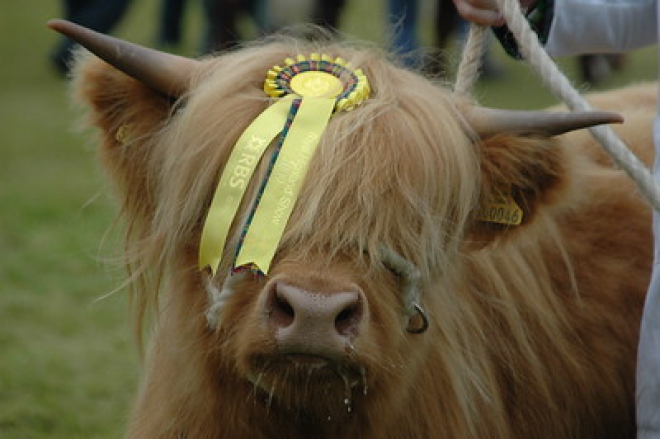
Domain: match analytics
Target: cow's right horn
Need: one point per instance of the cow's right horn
(490, 121)
(166, 73)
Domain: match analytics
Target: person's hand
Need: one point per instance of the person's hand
(485, 12)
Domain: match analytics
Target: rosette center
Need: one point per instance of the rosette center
(315, 84)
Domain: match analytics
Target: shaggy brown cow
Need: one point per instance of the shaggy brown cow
(532, 329)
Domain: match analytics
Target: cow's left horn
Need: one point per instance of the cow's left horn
(488, 121)
(166, 73)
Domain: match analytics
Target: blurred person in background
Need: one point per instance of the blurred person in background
(99, 15)
(170, 23)
(327, 13)
(403, 22)
(222, 18)
(222, 22)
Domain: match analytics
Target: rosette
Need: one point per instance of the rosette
(308, 91)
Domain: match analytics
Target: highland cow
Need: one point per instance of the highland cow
(397, 305)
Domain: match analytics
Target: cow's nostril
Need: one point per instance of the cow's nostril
(282, 313)
(284, 306)
(347, 320)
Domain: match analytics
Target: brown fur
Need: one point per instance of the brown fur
(533, 328)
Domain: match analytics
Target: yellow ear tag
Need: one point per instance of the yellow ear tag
(503, 211)
(123, 133)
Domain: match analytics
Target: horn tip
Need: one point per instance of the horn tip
(66, 27)
(616, 117)
(604, 117)
(58, 24)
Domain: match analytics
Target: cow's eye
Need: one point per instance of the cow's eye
(410, 280)
(178, 105)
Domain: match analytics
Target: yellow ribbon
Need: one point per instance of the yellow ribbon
(282, 189)
(234, 180)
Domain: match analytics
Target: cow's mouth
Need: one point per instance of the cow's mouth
(310, 360)
(309, 381)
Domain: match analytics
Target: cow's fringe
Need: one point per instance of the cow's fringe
(354, 152)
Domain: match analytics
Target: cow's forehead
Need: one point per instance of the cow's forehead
(399, 169)
(391, 179)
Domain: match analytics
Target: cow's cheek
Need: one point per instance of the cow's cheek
(239, 330)
(381, 347)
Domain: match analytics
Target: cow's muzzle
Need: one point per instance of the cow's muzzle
(314, 323)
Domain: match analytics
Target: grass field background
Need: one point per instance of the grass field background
(68, 367)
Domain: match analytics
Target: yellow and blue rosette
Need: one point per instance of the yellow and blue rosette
(307, 92)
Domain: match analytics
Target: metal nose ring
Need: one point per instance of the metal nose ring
(422, 317)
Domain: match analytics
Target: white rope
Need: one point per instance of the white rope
(219, 297)
(469, 68)
(556, 81)
(410, 276)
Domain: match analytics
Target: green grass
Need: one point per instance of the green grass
(68, 368)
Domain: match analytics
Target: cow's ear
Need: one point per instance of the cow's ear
(128, 114)
(524, 168)
(125, 110)
(521, 174)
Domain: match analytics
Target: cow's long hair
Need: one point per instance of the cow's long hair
(403, 171)
(433, 184)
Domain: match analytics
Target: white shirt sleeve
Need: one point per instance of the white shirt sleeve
(648, 357)
(602, 26)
